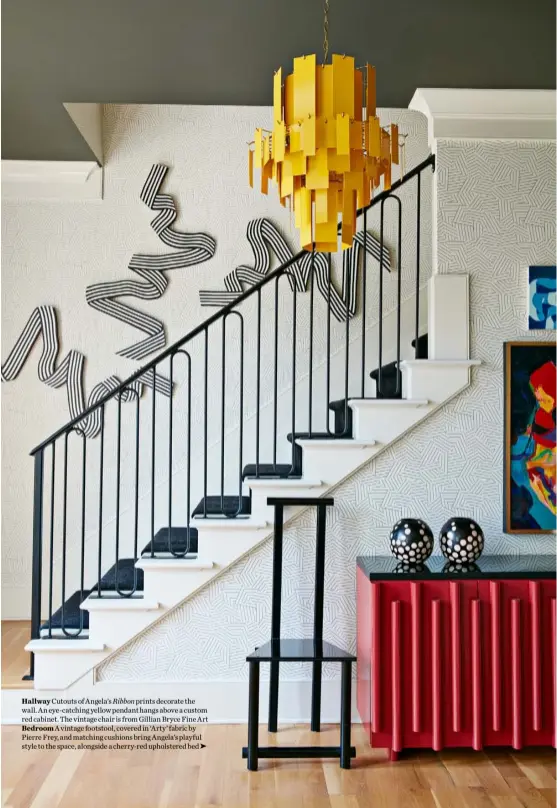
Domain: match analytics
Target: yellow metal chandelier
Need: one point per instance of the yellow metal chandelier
(327, 151)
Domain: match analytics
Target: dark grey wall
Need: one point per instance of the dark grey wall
(225, 51)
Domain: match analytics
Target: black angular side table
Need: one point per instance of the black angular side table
(314, 650)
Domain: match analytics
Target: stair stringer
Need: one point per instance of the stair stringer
(169, 582)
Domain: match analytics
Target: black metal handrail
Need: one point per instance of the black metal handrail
(154, 444)
(416, 171)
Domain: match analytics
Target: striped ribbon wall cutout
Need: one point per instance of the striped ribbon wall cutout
(265, 238)
(192, 249)
(43, 322)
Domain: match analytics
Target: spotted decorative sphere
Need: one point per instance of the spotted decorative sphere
(461, 540)
(411, 541)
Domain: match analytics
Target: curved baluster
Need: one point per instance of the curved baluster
(398, 202)
(180, 553)
(51, 542)
(241, 410)
(126, 395)
(82, 435)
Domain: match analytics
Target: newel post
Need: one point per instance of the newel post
(36, 574)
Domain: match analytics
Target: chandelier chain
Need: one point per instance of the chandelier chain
(326, 32)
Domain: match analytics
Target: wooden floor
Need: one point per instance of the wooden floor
(217, 776)
(15, 660)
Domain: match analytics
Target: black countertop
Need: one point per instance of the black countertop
(386, 567)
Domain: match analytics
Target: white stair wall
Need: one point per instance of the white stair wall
(384, 419)
(116, 619)
(168, 582)
(165, 578)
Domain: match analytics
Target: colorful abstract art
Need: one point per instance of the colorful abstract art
(530, 479)
(542, 304)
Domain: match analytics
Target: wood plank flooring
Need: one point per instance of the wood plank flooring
(15, 660)
(216, 777)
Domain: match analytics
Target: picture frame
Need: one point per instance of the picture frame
(542, 305)
(529, 456)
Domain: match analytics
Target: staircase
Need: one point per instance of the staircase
(252, 421)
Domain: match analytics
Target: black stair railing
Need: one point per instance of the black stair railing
(244, 383)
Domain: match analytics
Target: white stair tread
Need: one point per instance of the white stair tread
(373, 403)
(285, 483)
(183, 564)
(440, 362)
(118, 604)
(168, 555)
(336, 443)
(222, 523)
(64, 645)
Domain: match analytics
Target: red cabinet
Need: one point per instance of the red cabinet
(448, 662)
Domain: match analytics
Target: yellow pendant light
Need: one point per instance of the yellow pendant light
(327, 151)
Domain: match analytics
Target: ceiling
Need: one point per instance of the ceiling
(225, 52)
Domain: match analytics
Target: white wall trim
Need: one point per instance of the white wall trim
(449, 317)
(492, 114)
(52, 179)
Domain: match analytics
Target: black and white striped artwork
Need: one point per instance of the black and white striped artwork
(43, 323)
(191, 249)
(265, 239)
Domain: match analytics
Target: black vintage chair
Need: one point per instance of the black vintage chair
(314, 650)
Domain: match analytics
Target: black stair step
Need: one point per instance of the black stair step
(391, 381)
(178, 539)
(74, 618)
(338, 404)
(343, 417)
(225, 506)
(125, 575)
(391, 377)
(422, 346)
(271, 471)
(389, 371)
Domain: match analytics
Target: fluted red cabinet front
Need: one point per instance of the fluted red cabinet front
(445, 663)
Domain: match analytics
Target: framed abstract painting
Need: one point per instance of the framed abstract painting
(530, 382)
(542, 305)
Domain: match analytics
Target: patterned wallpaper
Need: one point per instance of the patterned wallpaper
(52, 251)
(496, 216)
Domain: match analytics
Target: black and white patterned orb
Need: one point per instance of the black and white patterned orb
(411, 541)
(461, 540)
